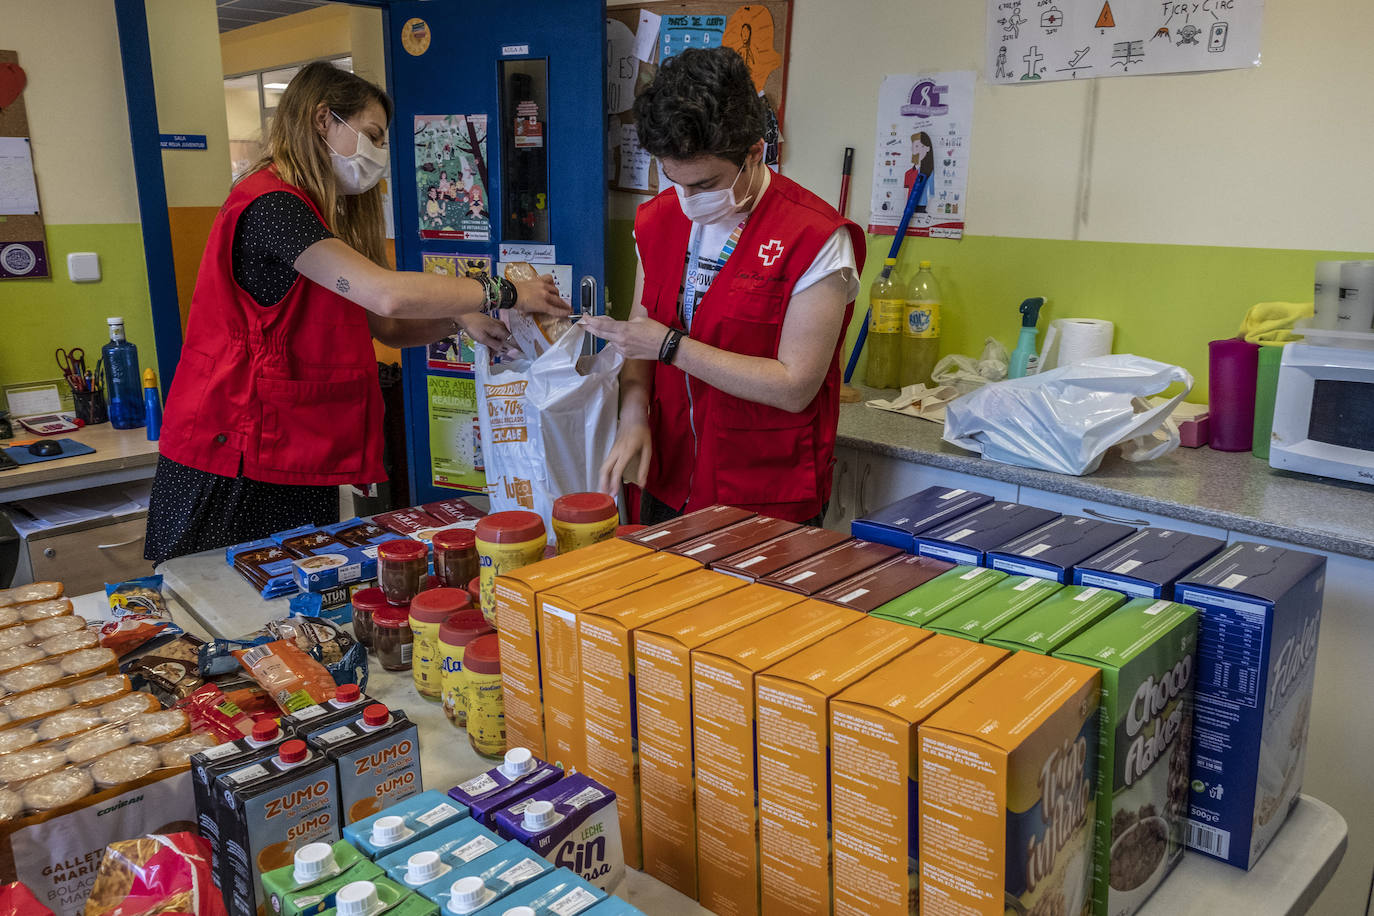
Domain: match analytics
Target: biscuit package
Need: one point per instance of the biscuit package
(155, 875)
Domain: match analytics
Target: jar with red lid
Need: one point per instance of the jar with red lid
(507, 541)
(401, 569)
(427, 613)
(583, 519)
(455, 556)
(366, 603)
(475, 590)
(486, 706)
(392, 636)
(455, 634)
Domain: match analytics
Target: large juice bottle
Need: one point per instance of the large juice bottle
(920, 346)
(886, 302)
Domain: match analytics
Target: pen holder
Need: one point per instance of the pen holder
(89, 407)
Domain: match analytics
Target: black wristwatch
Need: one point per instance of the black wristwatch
(668, 351)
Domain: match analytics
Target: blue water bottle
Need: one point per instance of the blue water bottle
(152, 405)
(122, 382)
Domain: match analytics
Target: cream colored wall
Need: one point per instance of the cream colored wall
(325, 31)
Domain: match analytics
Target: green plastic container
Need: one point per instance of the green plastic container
(942, 594)
(1058, 619)
(985, 614)
(1266, 384)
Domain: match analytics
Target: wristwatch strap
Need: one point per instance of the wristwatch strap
(671, 341)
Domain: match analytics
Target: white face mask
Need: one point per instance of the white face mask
(361, 171)
(713, 206)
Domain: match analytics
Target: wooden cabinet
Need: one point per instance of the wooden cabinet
(83, 559)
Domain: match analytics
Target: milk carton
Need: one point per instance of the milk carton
(413, 819)
(429, 858)
(574, 824)
(1147, 653)
(1257, 658)
(379, 895)
(1008, 791)
(520, 774)
(378, 756)
(557, 893)
(309, 884)
(474, 887)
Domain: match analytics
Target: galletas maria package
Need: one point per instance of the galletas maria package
(816, 574)
(728, 541)
(987, 612)
(1261, 609)
(940, 595)
(1147, 652)
(770, 556)
(1054, 549)
(885, 582)
(1051, 623)
(687, 527)
(967, 539)
(1148, 563)
(1008, 792)
(899, 523)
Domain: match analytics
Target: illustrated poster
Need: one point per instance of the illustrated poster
(925, 122)
(455, 438)
(1037, 40)
(453, 353)
(451, 177)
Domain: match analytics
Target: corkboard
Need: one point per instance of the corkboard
(22, 239)
(760, 31)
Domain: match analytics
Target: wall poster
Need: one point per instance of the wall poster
(451, 177)
(455, 437)
(454, 353)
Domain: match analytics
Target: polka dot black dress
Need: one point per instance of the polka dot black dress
(193, 510)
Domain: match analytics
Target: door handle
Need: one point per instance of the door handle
(843, 468)
(862, 503)
(121, 544)
(1140, 522)
(587, 306)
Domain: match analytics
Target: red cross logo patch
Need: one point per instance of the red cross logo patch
(770, 252)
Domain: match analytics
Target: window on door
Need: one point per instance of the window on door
(251, 102)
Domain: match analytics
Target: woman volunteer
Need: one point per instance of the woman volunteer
(276, 401)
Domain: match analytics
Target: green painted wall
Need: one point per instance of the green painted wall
(41, 315)
(1167, 301)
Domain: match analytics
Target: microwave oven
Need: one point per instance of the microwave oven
(1324, 412)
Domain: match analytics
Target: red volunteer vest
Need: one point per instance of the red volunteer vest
(711, 447)
(288, 393)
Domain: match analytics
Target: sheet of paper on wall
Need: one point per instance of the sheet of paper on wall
(455, 439)
(634, 160)
(451, 177)
(925, 123)
(646, 36)
(679, 33)
(1086, 39)
(622, 66)
(18, 190)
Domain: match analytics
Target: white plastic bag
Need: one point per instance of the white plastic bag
(965, 374)
(547, 423)
(1066, 419)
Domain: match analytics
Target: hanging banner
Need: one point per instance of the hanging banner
(924, 125)
(451, 177)
(1083, 39)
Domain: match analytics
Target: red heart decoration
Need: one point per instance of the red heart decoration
(12, 82)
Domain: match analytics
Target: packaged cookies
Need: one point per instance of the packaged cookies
(38, 703)
(69, 722)
(13, 739)
(99, 688)
(31, 677)
(154, 726)
(11, 805)
(55, 626)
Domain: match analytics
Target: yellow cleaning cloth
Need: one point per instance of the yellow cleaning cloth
(1270, 323)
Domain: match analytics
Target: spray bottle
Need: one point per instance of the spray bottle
(152, 405)
(1024, 360)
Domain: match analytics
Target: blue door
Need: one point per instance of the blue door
(499, 146)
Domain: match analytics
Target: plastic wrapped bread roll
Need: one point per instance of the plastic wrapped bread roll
(17, 636)
(98, 688)
(11, 805)
(34, 591)
(68, 723)
(42, 610)
(49, 627)
(30, 762)
(10, 615)
(127, 707)
(98, 743)
(12, 739)
(124, 765)
(88, 661)
(152, 726)
(57, 789)
(31, 677)
(178, 751)
(63, 643)
(38, 703)
(15, 656)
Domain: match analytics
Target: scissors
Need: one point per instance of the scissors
(73, 365)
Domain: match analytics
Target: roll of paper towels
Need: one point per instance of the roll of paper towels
(1072, 340)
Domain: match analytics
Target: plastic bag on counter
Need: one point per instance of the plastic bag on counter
(156, 876)
(1066, 419)
(966, 374)
(548, 423)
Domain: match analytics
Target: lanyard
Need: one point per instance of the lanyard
(689, 286)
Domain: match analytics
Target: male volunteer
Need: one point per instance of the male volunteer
(746, 281)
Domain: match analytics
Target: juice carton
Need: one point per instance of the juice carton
(429, 858)
(967, 539)
(943, 593)
(378, 756)
(898, 524)
(613, 906)
(608, 685)
(982, 615)
(1008, 791)
(1051, 623)
(379, 895)
(1054, 549)
(873, 772)
(770, 556)
(517, 620)
(488, 878)
(726, 542)
(559, 656)
(1257, 658)
(816, 574)
(1148, 563)
(687, 527)
(1147, 652)
(208, 765)
(793, 700)
(572, 824)
(348, 702)
(520, 774)
(723, 715)
(403, 823)
(558, 893)
(267, 811)
(309, 884)
(663, 666)
(885, 582)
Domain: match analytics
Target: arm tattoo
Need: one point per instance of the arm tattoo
(341, 285)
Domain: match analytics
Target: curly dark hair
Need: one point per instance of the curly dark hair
(701, 103)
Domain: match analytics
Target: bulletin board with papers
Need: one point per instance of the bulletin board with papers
(23, 245)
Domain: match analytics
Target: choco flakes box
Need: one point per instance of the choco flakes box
(1147, 651)
(1008, 792)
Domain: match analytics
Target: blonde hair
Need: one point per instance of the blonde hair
(301, 157)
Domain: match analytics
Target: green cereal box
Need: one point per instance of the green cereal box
(943, 593)
(1147, 652)
(1058, 619)
(985, 613)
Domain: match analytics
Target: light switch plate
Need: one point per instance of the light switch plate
(83, 266)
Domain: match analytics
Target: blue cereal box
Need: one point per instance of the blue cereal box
(1148, 563)
(968, 538)
(1054, 549)
(898, 524)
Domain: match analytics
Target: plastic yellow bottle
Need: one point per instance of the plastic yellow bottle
(886, 303)
(920, 345)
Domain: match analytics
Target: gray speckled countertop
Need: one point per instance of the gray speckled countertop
(1231, 490)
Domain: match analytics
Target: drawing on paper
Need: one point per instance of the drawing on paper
(451, 176)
